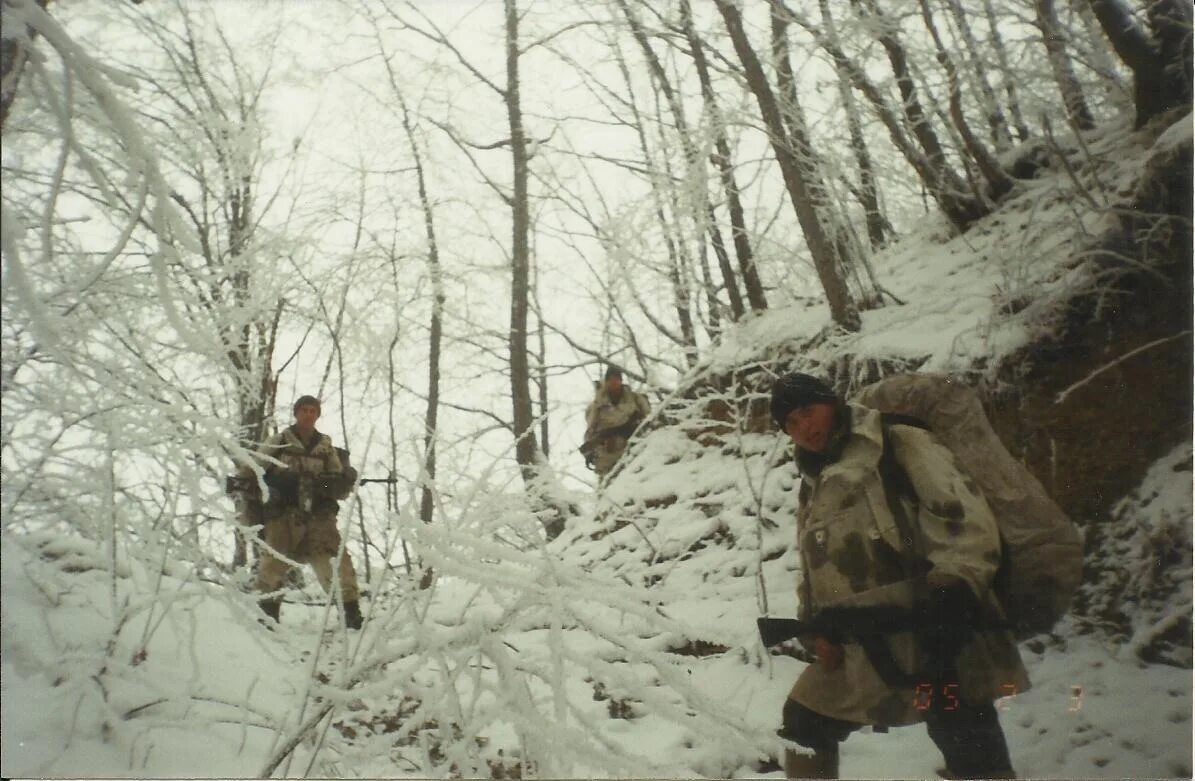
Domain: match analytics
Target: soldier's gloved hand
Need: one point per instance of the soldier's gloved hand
(284, 486)
(829, 654)
(948, 620)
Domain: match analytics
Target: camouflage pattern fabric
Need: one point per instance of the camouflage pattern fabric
(853, 555)
(605, 413)
(294, 535)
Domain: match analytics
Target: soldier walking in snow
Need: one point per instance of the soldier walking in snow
(300, 513)
(886, 519)
(611, 418)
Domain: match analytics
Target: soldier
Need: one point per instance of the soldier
(611, 418)
(931, 546)
(300, 514)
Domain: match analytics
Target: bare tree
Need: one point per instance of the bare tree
(723, 161)
(799, 176)
(14, 52)
(1010, 78)
(919, 146)
(867, 191)
(1160, 57)
(1054, 39)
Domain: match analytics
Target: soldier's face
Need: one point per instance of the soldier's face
(306, 415)
(810, 426)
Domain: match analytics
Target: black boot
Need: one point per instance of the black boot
(272, 608)
(352, 614)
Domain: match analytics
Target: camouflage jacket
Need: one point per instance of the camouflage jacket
(604, 413)
(852, 554)
(316, 458)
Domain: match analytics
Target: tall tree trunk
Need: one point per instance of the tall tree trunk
(999, 182)
(722, 160)
(979, 65)
(1161, 61)
(693, 167)
(728, 277)
(868, 192)
(1060, 63)
(541, 369)
(527, 452)
(436, 325)
(13, 56)
(794, 171)
(1009, 77)
(520, 376)
(685, 339)
(941, 182)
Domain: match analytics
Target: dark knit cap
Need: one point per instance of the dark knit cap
(306, 401)
(798, 390)
(613, 371)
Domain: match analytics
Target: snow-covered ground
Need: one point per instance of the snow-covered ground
(627, 646)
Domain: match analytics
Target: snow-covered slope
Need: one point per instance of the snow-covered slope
(627, 646)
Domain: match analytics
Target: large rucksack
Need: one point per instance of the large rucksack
(1042, 561)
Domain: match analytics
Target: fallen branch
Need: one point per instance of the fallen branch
(1062, 396)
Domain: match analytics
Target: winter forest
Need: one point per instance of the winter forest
(446, 219)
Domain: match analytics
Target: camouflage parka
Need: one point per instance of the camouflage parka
(315, 461)
(852, 555)
(605, 415)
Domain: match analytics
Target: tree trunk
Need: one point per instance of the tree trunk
(999, 182)
(1060, 63)
(1010, 78)
(527, 453)
(13, 56)
(520, 376)
(693, 166)
(794, 171)
(941, 182)
(722, 160)
(979, 64)
(1161, 62)
(868, 193)
(728, 277)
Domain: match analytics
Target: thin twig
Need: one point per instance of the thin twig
(1062, 396)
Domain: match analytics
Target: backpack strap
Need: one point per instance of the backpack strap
(897, 486)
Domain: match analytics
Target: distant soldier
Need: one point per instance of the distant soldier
(613, 415)
(300, 512)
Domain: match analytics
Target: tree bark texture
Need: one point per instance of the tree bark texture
(1054, 39)
(13, 56)
(520, 375)
(1010, 86)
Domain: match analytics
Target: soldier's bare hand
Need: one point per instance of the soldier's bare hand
(828, 654)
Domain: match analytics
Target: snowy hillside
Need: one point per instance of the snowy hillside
(627, 646)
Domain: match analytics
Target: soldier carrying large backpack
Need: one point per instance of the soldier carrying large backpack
(903, 563)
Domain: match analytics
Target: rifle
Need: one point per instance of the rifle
(624, 431)
(234, 484)
(867, 626)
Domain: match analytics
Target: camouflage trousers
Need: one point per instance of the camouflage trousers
(307, 539)
(607, 453)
